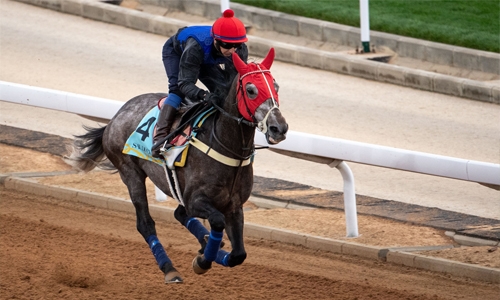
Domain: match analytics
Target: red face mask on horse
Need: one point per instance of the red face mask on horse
(256, 86)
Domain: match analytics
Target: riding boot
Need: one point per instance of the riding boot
(163, 126)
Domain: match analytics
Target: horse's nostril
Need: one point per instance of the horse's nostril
(277, 130)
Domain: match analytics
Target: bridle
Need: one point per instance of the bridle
(241, 96)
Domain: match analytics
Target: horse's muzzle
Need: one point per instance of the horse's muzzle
(276, 133)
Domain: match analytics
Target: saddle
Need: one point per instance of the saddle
(140, 141)
(183, 127)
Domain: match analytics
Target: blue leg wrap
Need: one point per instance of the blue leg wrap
(158, 251)
(197, 229)
(222, 258)
(213, 245)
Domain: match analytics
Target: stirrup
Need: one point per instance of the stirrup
(161, 151)
(164, 148)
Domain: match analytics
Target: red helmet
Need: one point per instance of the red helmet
(229, 29)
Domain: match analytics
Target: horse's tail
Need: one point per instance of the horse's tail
(87, 151)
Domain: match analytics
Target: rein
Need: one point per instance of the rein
(244, 160)
(241, 161)
(239, 120)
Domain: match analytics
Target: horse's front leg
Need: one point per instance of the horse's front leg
(211, 252)
(193, 225)
(234, 230)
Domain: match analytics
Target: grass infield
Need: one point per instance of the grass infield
(467, 23)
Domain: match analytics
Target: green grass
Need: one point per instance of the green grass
(467, 23)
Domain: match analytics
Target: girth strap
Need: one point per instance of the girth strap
(220, 157)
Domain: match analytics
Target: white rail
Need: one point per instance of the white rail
(326, 149)
(93, 107)
(316, 148)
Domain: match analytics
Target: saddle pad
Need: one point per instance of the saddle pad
(140, 142)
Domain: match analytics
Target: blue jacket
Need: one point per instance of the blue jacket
(202, 35)
(192, 56)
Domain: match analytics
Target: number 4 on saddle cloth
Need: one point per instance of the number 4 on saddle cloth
(141, 140)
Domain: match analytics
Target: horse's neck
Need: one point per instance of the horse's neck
(233, 135)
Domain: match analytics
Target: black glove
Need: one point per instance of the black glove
(203, 95)
(208, 96)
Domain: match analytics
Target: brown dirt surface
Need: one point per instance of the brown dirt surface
(374, 231)
(53, 249)
(56, 249)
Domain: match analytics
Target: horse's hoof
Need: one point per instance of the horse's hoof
(173, 277)
(197, 268)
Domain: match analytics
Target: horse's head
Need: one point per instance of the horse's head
(257, 97)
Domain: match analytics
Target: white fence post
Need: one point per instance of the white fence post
(365, 25)
(351, 215)
(224, 4)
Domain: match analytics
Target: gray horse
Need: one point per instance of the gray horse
(217, 177)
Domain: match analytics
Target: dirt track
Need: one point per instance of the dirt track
(54, 249)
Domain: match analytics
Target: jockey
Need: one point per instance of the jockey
(198, 52)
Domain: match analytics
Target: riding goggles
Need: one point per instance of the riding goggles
(228, 45)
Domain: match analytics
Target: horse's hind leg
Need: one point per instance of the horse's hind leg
(135, 182)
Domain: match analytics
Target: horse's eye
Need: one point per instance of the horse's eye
(251, 90)
(276, 87)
